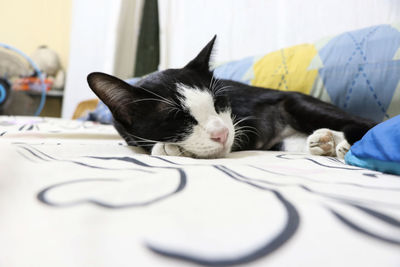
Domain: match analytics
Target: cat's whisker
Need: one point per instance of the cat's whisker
(169, 140)
(217, 82)
(175, 110)
(151, 99)
(238, 141)
(247, 128)
(214, 80)
(233, 118)
(217, 85)
(221, 90)
(146, 145)
(140, 145)
(170, 109)
(213, 84)
(242, 133)
(242, 120)
(245, 133)
(172, 102)
(143, 142)
(141, 139)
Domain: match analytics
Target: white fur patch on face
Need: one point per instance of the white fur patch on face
(200, 104)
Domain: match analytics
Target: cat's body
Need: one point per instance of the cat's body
(189, 112)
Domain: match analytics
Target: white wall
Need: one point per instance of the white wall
(253, 27)
(103, 38)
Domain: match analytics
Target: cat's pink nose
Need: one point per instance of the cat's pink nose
(220, 135)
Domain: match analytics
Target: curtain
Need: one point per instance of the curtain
(148, 48)
(103, 38)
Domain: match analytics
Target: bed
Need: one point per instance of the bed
(74, 194)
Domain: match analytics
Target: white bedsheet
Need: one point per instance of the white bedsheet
(73, 194)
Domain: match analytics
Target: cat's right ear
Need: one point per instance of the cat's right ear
(202, 61)
(115, 93)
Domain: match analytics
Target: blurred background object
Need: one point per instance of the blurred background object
(18, 72)
(49, 63)
(28, 25)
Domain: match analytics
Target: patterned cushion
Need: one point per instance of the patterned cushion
(359, 71)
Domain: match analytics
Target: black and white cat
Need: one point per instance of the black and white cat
(189, 112)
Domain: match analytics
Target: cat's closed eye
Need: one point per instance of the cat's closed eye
(221, 103)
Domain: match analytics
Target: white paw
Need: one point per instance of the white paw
(321, 142)
(342, 148)
(162, 149)
(326, 142)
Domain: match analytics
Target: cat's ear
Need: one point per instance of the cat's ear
(202, 60)
(118, 95)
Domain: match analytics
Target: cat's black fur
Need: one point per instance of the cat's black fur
(302, 112)
(266, 110)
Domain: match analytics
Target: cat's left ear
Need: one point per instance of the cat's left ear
(202, 60)
(118, 95)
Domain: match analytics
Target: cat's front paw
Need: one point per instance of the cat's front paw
(322, 143)
(162, 149)
(342, 148)
(326, 142)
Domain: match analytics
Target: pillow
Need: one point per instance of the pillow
(358, 71)
(379, 149)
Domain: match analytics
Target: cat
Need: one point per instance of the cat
(189, 112)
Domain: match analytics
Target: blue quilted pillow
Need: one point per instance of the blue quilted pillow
(358, 71)
(379, 149)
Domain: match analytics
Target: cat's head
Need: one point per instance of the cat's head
(183, 106)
